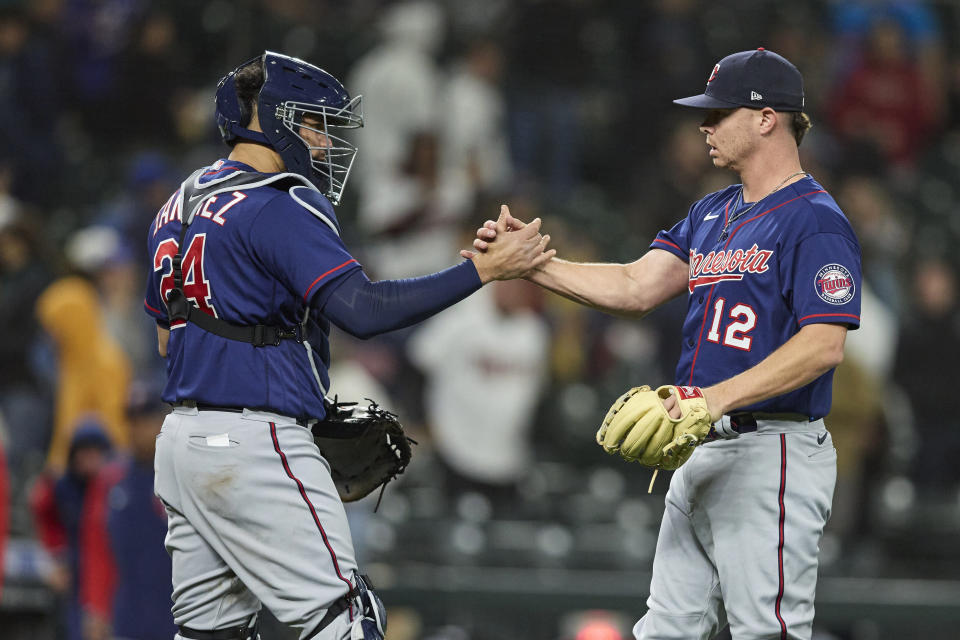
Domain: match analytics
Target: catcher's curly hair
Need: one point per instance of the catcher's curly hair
(248, 81)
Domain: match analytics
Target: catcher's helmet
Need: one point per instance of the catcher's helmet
(291, 90)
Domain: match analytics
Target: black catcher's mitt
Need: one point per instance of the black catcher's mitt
(366, 447)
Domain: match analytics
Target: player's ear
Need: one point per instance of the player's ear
(767, 121)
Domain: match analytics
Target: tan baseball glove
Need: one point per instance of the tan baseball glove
(639, 428)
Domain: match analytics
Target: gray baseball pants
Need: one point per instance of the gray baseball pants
(253, 516)
(740, 537)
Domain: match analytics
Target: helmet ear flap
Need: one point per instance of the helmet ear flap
(232, 112)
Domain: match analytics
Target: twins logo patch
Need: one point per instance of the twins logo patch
(834, 284)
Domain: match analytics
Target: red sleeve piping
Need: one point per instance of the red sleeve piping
(669, 244)
(324, 275)
(147, 305)
(829, 315)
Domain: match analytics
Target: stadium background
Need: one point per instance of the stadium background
(562, 109)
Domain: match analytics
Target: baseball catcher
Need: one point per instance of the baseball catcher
(249, 274)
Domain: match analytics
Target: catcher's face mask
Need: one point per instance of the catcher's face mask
(299, 108)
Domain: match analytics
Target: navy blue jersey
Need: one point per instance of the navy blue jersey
(790, 260)
(254, 255)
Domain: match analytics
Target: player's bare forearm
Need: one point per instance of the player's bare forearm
(632, 289)
(813, 351)
(163, 336)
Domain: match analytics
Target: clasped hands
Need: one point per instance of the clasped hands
(508, 248)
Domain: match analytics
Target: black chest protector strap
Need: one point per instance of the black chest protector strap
(179, 307)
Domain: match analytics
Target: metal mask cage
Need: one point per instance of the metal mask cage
(336, 158)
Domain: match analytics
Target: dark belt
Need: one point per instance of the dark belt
(200, 406)
(241, 632)
(743, 422)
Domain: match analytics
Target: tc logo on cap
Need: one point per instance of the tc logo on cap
(713, 74)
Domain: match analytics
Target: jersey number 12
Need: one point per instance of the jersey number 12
(744, 320)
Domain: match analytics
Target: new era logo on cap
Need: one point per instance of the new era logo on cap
(755, 96)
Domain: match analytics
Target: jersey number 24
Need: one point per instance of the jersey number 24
(196, 287)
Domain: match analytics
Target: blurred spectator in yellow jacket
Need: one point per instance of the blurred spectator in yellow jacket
(93, 372)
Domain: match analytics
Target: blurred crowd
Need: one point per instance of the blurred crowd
(560, 108)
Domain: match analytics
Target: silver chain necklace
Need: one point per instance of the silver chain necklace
(740, 214)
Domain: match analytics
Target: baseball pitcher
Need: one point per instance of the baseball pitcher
(771, 270)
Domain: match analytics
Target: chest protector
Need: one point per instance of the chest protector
(179, 308)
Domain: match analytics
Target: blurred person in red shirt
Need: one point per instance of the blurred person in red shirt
(887, 102)
(125, 590)
(57, 502)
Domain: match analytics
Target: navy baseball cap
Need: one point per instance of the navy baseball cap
(753, 79)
